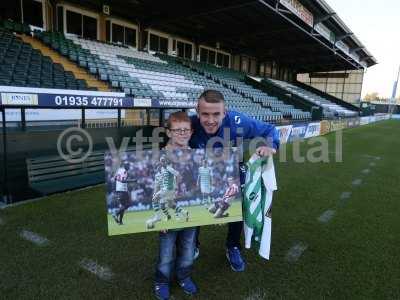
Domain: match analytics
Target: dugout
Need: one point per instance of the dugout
(31, 165)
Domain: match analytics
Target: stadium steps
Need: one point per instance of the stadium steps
(330, 109)
(78, 72)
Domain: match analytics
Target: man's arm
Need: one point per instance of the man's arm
(198, 180)
(156, 189)
(253, 128)
(177, 176)
(257, 129)
(172, 171)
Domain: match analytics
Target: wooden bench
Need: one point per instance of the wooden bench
(50, 174)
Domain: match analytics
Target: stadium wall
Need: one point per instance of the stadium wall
(330, 97)
(345, 85)
(290, 133)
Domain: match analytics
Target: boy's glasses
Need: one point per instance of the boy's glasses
(180, 130)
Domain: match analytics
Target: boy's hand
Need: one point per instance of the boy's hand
(164, 231)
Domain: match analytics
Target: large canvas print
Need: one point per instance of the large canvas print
(153, 190)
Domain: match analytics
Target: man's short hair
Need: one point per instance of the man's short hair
(212, 96)
(179, 116)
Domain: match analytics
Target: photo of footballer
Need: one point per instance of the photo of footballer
(171, 189)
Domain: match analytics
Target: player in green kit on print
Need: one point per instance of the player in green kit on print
(204, 182)
(164, 196)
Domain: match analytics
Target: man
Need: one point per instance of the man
(204, 181)
(212, 120)
(165, 193)
(219, 208)
(121, 193)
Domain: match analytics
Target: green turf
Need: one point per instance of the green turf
(136, 221)
(355, 256)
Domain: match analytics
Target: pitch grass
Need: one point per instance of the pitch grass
(136, 221)
(354, 256)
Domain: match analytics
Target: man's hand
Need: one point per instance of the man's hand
(265, 151)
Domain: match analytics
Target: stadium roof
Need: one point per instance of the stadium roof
(264, 29)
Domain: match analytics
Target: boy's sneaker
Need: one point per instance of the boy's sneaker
(235, 259)
(196, 253)
(161, 291)
(188, 286)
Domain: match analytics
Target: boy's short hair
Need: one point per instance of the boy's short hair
(179, 116)
(212, 96)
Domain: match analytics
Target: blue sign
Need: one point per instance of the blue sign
(298, 132)
(87, 101)
(73, 101)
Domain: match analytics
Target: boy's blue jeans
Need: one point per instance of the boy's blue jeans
(175, 255)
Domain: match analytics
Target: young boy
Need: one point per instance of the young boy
(179, 131)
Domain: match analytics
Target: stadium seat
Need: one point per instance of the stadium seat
(21, 65)
(330, 109)
(159, 76)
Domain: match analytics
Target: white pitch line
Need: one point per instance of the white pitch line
(259, 294)
(356, 182)
(366, 171)
(373, 157)
(104, 273)
(326, 216)
(295, 252)
(34, 238)
(345, 195)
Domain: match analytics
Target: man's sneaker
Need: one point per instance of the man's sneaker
(196, 253)
(161, 291)
(235, 259)
(188, 286)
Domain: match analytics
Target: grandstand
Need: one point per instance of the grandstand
(144, 75)
(251, 51)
